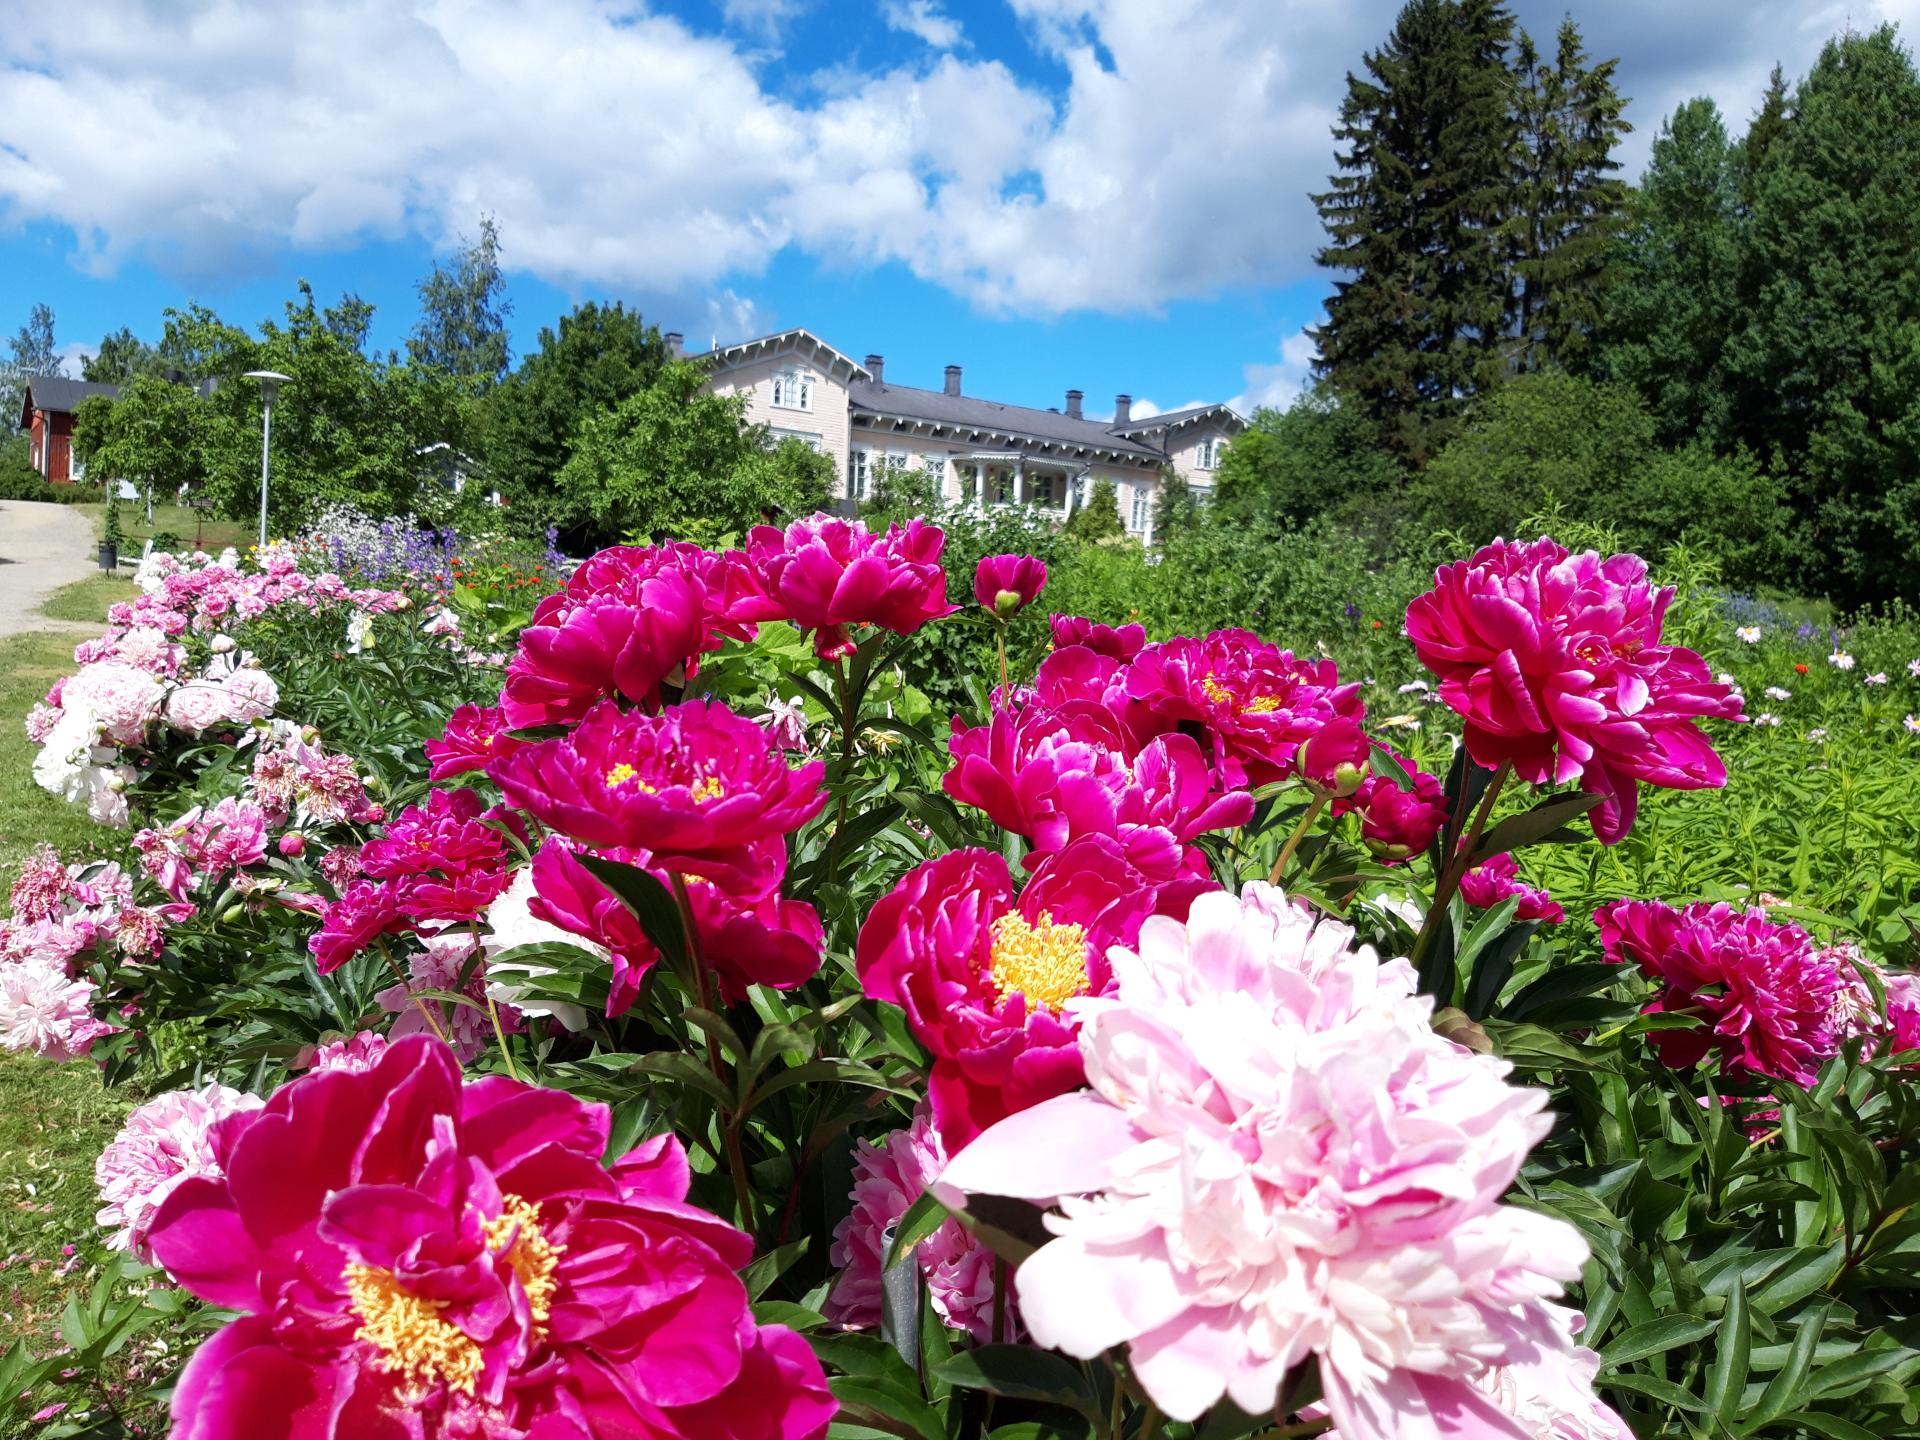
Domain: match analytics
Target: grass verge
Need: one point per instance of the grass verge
(88, 599)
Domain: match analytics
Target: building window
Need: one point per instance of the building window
(1044, 490)
(856, 474)
(808, 438)
(1209, 452)
(1142, 508)
(1202, 496)
(793, 390)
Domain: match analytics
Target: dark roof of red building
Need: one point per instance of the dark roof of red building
(58, 395)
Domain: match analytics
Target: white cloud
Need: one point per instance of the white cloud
(73, 355)
(925, 20)
(1276, 385)
(619, 148)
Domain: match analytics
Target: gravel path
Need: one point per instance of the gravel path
(42, 547)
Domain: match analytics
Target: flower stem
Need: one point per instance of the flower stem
(1293, 840)
(729, 1119)
(407, 985)
(500, 1034)
(1459, 862)
(848, 727)
(1000, 636)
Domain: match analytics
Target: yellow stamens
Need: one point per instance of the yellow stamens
(708, 787)
(1220, 695)
(414, 1342)
(1043, 961)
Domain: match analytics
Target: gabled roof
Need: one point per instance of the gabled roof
(804, 341)
(1173, 419)
(58, 394)
(967, 414)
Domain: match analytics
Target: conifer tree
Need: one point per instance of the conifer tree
(1413, 219)
(1769, 123)
(1565, 203)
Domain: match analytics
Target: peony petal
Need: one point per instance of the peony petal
(1063, 1146)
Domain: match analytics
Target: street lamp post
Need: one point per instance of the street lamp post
(270, 383)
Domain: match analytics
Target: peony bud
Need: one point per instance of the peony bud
(1457, 1026)
(293, 845)
(233, 912)
(1333, 760)
(1007, 584)
(1008, 603)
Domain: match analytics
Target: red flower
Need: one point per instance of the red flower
(1256, 700)
(1007, 584)
(691, 781)
(826, 575)
(984, 977)
(418, 1258)
(1800, 669)
(1555, 662)
(474, 735)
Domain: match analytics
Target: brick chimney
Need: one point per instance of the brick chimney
(1122, 409)
(676, 343)
(953, 379)
(1073, 404)
(877, 367)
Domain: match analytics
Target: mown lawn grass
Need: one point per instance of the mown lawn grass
(180, 521)
(29, 665)
(88, 599)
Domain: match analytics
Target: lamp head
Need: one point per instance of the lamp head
(270, 383)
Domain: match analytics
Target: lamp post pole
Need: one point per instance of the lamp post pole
(270, 383)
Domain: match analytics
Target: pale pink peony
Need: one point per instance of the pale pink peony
(119, 699)
(1280, 1159)
(958, 1269)
(197, 706)
(44, 1010)
(163, 1142)
(356, 1053)
(250, 695)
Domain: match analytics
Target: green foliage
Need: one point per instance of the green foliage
(1828, 365)
(599, 356)
(31, 350)
(676, 454)
(1316, 457)
(900, 492)
(463, 313)
(1670, 318)
(1175, 510)
(121, 356)
(1413, 217)
(1098, 521)
(160, 435)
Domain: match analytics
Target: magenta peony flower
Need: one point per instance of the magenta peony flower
(1119, 643)
(827, 575)
(420, 1259)
(1256, 700)
(632, 618)
(1764, 992)
(365, 911)
(444, 862)
(1333, 759)
(985, 978)
(687, 782)
(1006, 584)
(1396, 823)
(165, 1142)
(1556, 665)
(957, 1268)
(1279, 1159)
(1497, 877)
(475, 734)
(1903, 1011)
(748, 935)
(1053, 774)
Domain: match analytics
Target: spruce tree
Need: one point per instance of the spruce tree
(1677, 301)
(1565, 202)
(1769, 123)
(1413, 219)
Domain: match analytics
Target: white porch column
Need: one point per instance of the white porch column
(1020, 481)
(1146, 534)
(979, 487)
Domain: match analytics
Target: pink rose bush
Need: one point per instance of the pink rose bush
(463, 1263)
(1278, 1158)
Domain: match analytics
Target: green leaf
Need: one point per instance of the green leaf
(1634, 1382)
(1532, 826)
(1783, 1389)
(1019, 1372)
(1831, 1426)
(1656, 1337)
(844, 1072)
(919, 1220)
(880, 1400)
(1727, 1377)
(651, 902)
(1383, 764)
(769, 1267)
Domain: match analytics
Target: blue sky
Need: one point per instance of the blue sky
(1105, 194)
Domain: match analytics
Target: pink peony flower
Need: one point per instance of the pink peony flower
(630, 619)
(1396, 823)
(1007, 584)
(985, 978)
(44, 1010)
(1119, 643)
(438, 966)
(121, 700)
(41, 889)
(958, 1269)
(1764, 992)
(1497, 877)
(356, 1053)
(165, 1142)
(747, 937)
(197, 706)
(1256, 701)
(827, 575)
(463, 1264)
(230, 835)
(1903, 1011)
(250, 695)
(1556, 665)
(692, 780)
(1279, 1159)
(1333, 759)
(475, 734)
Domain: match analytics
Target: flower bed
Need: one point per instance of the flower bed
(682, 1037)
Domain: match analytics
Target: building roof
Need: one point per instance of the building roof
(965, 413)
(59, 394)
(1174, 419)
(742, 351)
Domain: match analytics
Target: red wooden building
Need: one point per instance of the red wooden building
(46, 414)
